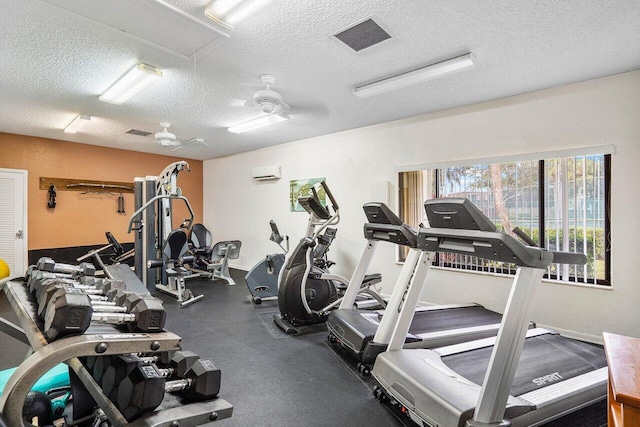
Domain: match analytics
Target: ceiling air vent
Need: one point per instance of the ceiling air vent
(362, 35)
(138, 132)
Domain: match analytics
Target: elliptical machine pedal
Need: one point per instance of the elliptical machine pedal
(284, 325)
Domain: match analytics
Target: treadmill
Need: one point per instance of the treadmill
(366, 333)
(519, 378)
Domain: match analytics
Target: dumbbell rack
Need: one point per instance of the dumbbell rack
(98, 340)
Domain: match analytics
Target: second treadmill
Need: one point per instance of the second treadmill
(366, 333)
(519, 378)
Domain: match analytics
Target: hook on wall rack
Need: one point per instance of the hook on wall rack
(85, 186)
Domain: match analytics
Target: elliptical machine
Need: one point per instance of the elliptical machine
(303, 292)
(306, 290)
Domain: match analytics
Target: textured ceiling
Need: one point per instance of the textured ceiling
(54, 64)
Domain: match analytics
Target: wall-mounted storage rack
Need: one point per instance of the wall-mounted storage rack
(69, 184)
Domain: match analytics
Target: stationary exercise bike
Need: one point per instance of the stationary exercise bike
(306, 289)
(262, 279)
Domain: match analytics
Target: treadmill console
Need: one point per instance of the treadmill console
(385, 226)
(379, 213)
(456, 213)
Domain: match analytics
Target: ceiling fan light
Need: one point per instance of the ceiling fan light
(419, 75)
(231, 12)
(77, 123)
(136, 79)
(257, 123)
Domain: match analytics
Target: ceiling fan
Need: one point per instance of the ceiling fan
(265, 100)
(268, 101)
(168, 139)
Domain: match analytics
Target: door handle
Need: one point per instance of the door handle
(19, 234)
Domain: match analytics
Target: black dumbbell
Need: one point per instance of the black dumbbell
(89, 282)
(88, 362)
(41, 285)
(72, 313)
(141, 392)
(117, 370)
(99, 367)
(54, 292)
(46, 286)
(144, 313)
(202, 381)
(48, 264)
(121, 366)
(45, 289)
(40, 279)
(161, 359)
(177, 366)
(118, 296)
(32, 270)
(143, 389)
(34, 273)
(38, 276)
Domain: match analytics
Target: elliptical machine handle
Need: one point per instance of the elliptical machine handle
(308, 242)
(326, 190)
(274, 227)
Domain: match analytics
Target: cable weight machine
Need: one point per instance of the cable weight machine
(156, 243)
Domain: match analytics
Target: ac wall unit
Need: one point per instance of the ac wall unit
(266, 173)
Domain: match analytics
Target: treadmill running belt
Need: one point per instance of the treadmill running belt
(545, 360)
(452, 318)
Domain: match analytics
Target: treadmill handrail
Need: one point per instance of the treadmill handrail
(402, 234)
(495, 246)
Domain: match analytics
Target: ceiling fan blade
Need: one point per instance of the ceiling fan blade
(192, 141)
(235, 102)
(311, 109)
(283, 108)
(170, 143)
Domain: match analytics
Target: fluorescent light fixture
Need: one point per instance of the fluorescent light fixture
(420, 75)
(231, 12)
(77, 123)
(136, 79)
(257, 123)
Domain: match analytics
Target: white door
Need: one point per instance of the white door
(13, 219)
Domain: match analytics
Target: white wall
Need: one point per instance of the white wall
(357, 163)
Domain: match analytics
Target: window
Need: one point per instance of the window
(561, 203)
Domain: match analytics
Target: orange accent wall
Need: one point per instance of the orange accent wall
(82, 219)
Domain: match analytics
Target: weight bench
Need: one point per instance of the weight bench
(121, 272)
